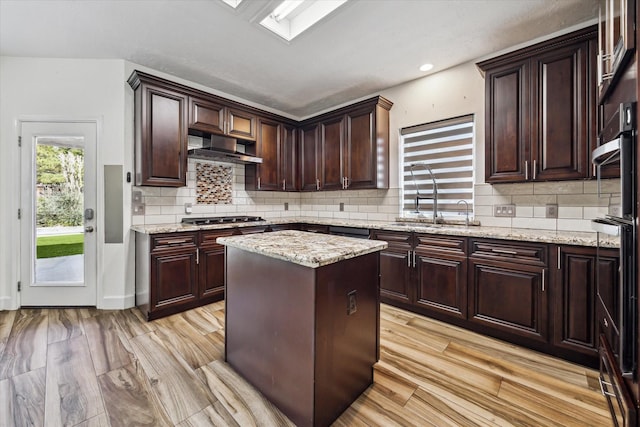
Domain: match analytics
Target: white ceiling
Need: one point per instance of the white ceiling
(363, 47)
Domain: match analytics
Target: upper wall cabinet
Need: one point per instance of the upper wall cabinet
(161, 132)
(347, 148)
(540, 110)
(217, 118)
(616, 41)
(277, 146)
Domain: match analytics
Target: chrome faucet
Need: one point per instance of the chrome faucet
(466, 220)
(419, 197)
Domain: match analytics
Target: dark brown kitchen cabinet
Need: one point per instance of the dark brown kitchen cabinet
(347, 148)
(508, 288)
(160, 132)
(276, 145)
(211, 267)
(575, 326)
(210, 116)
(540, 110)
(424, 273)
(440, 268)
(395, 266)
(309, 158)
(166, 273)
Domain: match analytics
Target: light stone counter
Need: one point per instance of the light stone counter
(520, 234)
(300, 247)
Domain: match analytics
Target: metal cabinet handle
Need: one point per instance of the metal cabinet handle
(197, 255)
(317, 184)
(175, 242)
(414, 259)
(258, 183)
(534, 169)
(559, 261)
(504, 251)
(605, 393)
(409, 259)
(526, 170)
(284, 184)
(543, 271)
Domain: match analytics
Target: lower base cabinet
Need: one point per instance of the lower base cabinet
(179, 271)
(541, 296)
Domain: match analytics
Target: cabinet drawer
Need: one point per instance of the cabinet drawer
(507, 251)
(208, 238)
(396, 240)
(173, 240)
(430, 244)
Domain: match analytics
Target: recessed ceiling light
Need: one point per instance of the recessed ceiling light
(291, 17)
(426, 67)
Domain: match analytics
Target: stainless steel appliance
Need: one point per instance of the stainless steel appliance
(220, 220)
(618, 144)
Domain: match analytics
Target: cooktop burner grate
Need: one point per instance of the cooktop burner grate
(221, 220)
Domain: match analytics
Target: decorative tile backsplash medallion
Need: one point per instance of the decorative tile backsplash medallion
(214, 184)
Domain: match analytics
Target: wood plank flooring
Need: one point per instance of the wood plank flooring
(87, 367)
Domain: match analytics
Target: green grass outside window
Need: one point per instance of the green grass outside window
(60, 245)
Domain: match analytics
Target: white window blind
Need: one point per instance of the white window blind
(446, 147)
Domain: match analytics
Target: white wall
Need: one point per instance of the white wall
(63, 89)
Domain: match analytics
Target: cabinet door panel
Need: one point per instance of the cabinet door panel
(288, 165)
(507, 126)
(164, 136)
(394, 276)
(174, 278)
(442, 285)
(360, 151)
(212, 272)
(560, 138)
(268, 147)
(309, 152)
(331, 146)
(241, 124)
(575, 304)
(206, 116)
(509, 297)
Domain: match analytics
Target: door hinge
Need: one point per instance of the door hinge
(19, 213)
(19, 141)
(19, 286)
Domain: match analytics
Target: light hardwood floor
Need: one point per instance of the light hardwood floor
(88, 367)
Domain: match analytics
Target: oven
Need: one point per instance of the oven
(618, 346)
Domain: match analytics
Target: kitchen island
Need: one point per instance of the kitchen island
(302, 319)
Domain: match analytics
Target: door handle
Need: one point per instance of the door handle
(88, 229)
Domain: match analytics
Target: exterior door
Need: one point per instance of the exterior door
(58, 214)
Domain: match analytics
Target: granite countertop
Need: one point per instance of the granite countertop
(520, 234)
(300, 247)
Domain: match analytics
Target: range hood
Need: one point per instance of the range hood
(221, 149)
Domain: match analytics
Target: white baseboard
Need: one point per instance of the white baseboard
(8, 303)
(117, 302)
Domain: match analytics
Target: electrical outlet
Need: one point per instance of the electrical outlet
(138, 208)
(551, 211)
(504, 210)
(352, 306)
(614, 210)
(341, 207)
(136, 196)
(188, 208)
(286, 206)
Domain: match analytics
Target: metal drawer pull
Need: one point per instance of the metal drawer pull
(602, 384)
(174, 242)
(504, 251)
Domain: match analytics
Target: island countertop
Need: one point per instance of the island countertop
(300, 247)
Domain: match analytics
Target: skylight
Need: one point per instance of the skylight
(233, 3)
(292, 17)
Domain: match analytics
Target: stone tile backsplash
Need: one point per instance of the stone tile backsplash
(578, 202)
